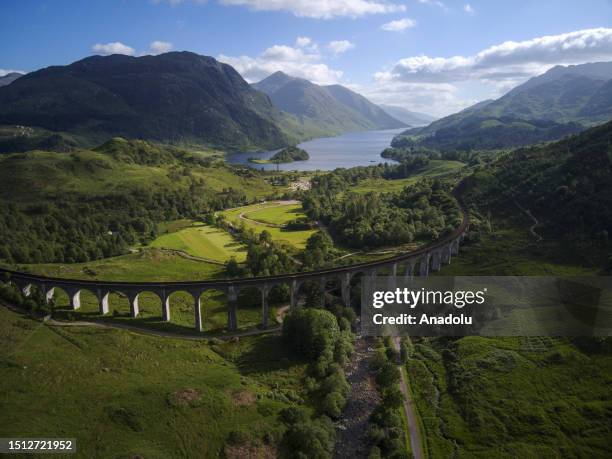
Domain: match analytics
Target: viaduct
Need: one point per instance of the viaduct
(420, 261)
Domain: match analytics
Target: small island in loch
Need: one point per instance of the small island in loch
(286, 155)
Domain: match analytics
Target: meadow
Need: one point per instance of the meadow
(261, 216)
(122, 394)
(202, 241)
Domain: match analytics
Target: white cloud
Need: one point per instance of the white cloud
(160, 47)
(303, 42)
(115, 47)
(340, 46)
(322, 9)
(437, 99)
(437, 3)
(510, 60)
(4, 72)
(297, 62)
(283, 53)
(443, 85)
(468, 8)
(399, 25)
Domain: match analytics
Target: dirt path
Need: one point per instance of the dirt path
(351, 429)
(533, 219)
(289, 202)
(409, 409)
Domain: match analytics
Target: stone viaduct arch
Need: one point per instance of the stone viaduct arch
(421, 261)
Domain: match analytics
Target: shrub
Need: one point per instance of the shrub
(388, 375)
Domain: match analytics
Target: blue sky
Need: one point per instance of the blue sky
(436, 56)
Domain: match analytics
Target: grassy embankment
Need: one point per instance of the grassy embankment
(122, 394)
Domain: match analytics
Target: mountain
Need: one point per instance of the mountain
(172, 97)
(406, 116)
(564, 184)
(332, 109)
(9, 78)
(562, 101)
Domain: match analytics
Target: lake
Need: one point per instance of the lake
(347, 150)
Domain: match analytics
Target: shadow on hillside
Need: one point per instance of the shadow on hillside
(267, 354)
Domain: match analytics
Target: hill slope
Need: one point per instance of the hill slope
(333, 109)
(176, 97)
(562, 101)
(565, 184)
(9, 78)
(407, 116)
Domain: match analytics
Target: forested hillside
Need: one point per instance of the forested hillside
(92, 204)
(565, 184)
(173, 97)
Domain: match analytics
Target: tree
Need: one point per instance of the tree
(392, 398)
(231, 267)
(265, 237)
(388, 375)
(310, 331)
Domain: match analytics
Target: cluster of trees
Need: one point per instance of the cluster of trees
(399, 151)
(69, 229)
(264, 256)
(306, 437)
(325, 339)
(319, 251)
(422, 211)
(290, 154)
(386, 431)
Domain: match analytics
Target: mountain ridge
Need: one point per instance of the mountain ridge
(333, 108)
(411, 118)
(561, 101)
(172, 97)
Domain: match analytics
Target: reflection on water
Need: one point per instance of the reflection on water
(348, 150)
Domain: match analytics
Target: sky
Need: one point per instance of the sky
(432, 56)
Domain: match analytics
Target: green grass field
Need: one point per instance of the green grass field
(271, 212)
(277, 215)
(126, 395)
(496, 397)
(435, 168)
(202, 241)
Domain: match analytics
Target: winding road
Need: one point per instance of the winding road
(410, 410)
